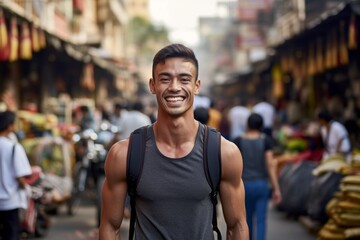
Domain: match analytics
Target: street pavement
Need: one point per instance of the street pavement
(83, 226)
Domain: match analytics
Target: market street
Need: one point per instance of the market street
(82, 226)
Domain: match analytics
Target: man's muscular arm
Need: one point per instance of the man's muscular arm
(232, 192)
(114, 191)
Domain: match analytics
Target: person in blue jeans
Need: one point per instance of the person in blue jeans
(259, 169)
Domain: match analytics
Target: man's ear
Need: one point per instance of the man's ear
(197, 87)
(151, 85)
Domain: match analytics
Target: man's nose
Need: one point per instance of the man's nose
(174, 85)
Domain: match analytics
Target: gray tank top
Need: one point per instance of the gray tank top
(254, 162)
(172, 199)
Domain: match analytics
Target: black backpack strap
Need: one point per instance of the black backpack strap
(135, 159)
(212, 165)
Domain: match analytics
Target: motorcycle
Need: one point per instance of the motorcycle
(34, 220)
(89, 172)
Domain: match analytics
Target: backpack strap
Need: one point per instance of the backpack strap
(212, 167)
(135, 160)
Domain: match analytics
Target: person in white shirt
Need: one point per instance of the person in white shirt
(267, 112)
(118, 116)
(14, 166)
(135, 118)
(334, 135)
(237, 117)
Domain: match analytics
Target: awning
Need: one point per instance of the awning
(80, 53)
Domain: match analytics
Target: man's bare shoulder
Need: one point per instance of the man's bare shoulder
(231, 159)
(115, 164)
(229, 150)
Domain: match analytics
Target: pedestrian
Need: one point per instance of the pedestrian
(214, 116)
(87, 120)
(334, 135)
(14, 166)
(268, 112)
(118, 115)
(172, 199)
(237, 117)
(202, 114)
(134, 119)
(256, 149)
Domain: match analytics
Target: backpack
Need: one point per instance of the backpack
(212, 168)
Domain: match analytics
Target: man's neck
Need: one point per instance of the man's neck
(4, 133)
(176, 130)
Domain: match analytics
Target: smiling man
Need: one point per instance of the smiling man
(172, 194)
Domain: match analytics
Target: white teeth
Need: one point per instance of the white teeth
(174, 99)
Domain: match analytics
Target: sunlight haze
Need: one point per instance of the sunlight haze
(181, 17)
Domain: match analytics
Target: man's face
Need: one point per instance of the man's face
(174, 85)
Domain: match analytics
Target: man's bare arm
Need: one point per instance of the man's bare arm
(232, 192)
(114, 191)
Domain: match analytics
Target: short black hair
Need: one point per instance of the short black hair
(324, 114)
(138, 106)
(119, 106)
(255, 122)
(6, 119)
(172, 51)
(84, 109)
(202, 114)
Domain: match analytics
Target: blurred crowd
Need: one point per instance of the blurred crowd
(325, 133)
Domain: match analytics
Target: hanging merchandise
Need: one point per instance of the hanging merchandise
(35, 44)
(352, 33)
(291, 60)
(284, 63)
(297, 61)
(319, 56)
(343, 49)
(42, 39)
(334, 48)
(78, 6)
(303, 64)
(311, 70)
(88, 77)
(328, 51)
(14, 41)
(278, 88)
(4, 41)
(311, 99)
(25, 45)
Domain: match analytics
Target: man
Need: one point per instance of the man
(134, 119)
(267, 112)
(87, 120)
(214, 116)
(172, 200)
(334, 135)
(14, 166)
(202, 115)
(237, 117)
(117, 118)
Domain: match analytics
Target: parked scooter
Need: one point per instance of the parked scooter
(34, 220)
(89, 169)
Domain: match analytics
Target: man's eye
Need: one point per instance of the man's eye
(185, 79)
(164, 79)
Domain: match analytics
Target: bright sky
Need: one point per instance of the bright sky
(181, 17)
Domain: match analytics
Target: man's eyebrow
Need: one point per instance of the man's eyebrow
(166, 74)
